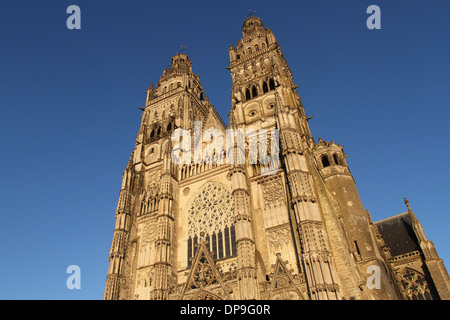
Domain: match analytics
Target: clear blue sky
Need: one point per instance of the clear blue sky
(69, 112)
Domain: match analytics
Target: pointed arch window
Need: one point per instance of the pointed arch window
(265, 87)
(247, 94)
(170, 127)
(254, 92)
(325, 161)
(212, 212)
(336, 159)
(415, 286)
(251, 92)
(268, 85)
(271, 84)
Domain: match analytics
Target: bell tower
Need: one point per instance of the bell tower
(259, 70)
(147, 209)
(264, 96)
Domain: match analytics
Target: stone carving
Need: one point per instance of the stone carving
(206, 295)
(210, 211)
(227, 266)
(282, 284)
(273, 193)
(279, 237)
(246, 255)
(414, 285)
(153, 190)
(204, 274)
(301, 186)
(148, 232)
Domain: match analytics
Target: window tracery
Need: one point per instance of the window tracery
(212, 212)
(415, 286)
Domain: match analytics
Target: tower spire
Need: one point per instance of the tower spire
(411, 213)
(417, 226)
(250, 13)
(150, 93)
(182, 47)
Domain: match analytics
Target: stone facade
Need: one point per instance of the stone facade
(221, 229)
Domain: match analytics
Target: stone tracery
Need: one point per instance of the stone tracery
(211, 212)
(415, 287)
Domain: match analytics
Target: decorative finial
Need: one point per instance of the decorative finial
(411, 213)
(407, 204)
(150, 92)
(250, 13)
(182, 48)
(130, 161)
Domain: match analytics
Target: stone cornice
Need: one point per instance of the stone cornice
(205, 174)
(247, 58)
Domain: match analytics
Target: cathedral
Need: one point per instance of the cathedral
(197, 219)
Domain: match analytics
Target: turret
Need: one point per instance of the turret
(331, 162)
(264, 97)
(330, 158)
(114, 279)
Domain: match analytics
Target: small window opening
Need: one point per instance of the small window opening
(254, 92)
(356, 246)
(271, 84)
(247, 94)
(336, 160)
(325, 161)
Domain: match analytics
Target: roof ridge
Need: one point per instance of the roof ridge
(392, 217)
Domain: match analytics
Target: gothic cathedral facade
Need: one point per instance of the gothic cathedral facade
(228, 230)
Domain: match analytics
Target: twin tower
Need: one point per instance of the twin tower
(227, 229)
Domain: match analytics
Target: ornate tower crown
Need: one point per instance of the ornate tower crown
(181, 63)
(251, 25)
(176, 78)
(255, 39)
